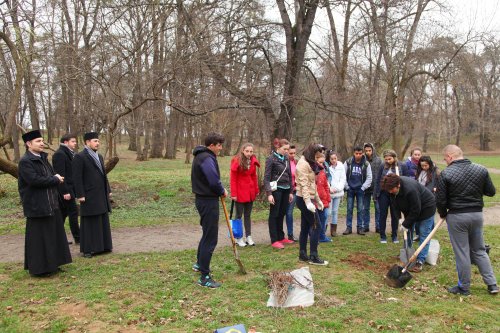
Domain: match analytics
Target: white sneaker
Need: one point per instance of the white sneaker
(241, 242)
(250, 241)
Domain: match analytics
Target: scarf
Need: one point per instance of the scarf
(95, 157)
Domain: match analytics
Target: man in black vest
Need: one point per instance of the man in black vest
(93, 193)
(207, 187)
(46, 246)
(61, 160)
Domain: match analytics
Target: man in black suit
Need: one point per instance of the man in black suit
(61, 161)
(93, 193)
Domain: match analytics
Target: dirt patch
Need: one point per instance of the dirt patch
(76, 311)
(363, 261)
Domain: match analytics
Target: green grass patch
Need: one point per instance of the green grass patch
(156, 292)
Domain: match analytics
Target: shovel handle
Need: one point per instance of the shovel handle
(424, 243)
(223, 202)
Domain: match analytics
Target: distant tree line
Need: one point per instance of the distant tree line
(162, 73)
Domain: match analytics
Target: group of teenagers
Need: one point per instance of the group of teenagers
(49, 194)
(316, 183)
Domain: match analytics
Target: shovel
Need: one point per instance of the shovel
(397, 276)
(406, 252)
(236, 255)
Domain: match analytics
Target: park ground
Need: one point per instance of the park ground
(147, 285)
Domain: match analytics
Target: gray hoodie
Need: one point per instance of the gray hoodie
(375, 164)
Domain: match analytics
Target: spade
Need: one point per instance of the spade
(397, 276)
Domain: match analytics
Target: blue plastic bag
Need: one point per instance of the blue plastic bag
(237, 227)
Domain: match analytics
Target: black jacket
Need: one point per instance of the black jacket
(91, 183)
(61, 161)
(205, 174)
(414, 200)
(274, 167)
(461, 187)
(37, 186)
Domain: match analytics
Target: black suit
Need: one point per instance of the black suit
(90, 181)
(62, 163)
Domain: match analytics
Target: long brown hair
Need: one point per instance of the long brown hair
(244, 161)
(390, 152)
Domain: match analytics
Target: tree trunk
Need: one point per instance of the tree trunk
(132, 136)
(459, 116)
(172, 135)
(158, 130)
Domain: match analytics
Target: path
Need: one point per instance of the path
(173, 238)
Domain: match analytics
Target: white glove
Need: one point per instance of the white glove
(401, 226)
(320, 205)
(310, 207)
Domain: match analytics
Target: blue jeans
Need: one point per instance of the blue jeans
(366, 211)
(333, 210)
(424, 228)
(323, 216)
(289, 215)
(358, 194)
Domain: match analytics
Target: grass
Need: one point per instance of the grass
(156, 292)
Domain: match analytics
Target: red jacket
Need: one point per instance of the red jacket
(244, 183)
(323, 188)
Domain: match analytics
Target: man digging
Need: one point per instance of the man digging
(417, 204)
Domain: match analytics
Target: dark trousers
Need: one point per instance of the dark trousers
(277, 214)
(245, 209)
(384, 202)
(208, 208)
(69, 209)
(309, 226)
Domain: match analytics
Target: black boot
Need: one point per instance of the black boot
(347, 231)
(314, 259)
(303, 256)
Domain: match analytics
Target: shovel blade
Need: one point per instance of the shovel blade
(403, 257)
(396, 278)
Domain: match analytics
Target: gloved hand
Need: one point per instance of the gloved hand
(402, 227)
(320, 205)
(310, 207)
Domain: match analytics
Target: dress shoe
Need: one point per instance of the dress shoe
(87, 255)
